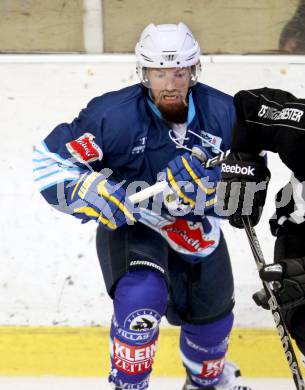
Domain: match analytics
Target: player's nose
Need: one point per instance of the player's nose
(170, 83)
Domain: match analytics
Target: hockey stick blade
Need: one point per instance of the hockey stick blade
(274, 307)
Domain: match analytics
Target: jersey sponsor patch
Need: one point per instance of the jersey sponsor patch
(212, 141)
(188, 235)
(139, 146)
(212, 368)
(162, 223)
(84, 149)
(132, 359)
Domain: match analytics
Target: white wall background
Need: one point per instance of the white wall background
(49, 272)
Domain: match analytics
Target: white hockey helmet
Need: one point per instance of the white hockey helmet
(167, 46)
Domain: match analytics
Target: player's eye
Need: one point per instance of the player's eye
(160, 75)
(181, 73)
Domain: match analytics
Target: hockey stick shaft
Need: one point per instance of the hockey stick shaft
(274, 307)
(162, 185)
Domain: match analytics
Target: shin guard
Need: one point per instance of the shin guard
(203, 349)
(139, 303)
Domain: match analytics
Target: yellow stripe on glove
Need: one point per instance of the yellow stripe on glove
(176, 187)
(196, 179)
(95, 197)
(87, 184)
(90, 212)
(105, 194)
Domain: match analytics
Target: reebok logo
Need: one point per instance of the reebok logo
(248, 171)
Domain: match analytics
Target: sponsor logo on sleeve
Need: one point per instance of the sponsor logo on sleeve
(84, 149)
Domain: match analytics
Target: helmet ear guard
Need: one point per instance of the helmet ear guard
(142, 74)
(195, 73)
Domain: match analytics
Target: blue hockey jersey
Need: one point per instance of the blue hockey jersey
(124, 132)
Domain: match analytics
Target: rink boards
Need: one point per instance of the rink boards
(83, 351)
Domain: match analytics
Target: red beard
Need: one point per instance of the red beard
(174, 113)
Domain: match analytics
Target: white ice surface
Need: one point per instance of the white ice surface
(55, 383)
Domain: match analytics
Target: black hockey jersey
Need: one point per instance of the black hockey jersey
(272, 120)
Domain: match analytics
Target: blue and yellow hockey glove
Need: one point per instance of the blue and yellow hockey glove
(95, 197)
(191, 181)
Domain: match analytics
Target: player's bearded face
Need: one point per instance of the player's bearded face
(169, 88)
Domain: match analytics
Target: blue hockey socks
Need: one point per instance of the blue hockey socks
(203, 349)
(139, 303)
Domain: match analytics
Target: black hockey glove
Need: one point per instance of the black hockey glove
(289, 275)
(243, 188)
(288, 271)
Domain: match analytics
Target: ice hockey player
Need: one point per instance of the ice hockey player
(165, 264)
(272, 120)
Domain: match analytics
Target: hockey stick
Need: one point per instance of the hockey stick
(274, 307)
(162, 185)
